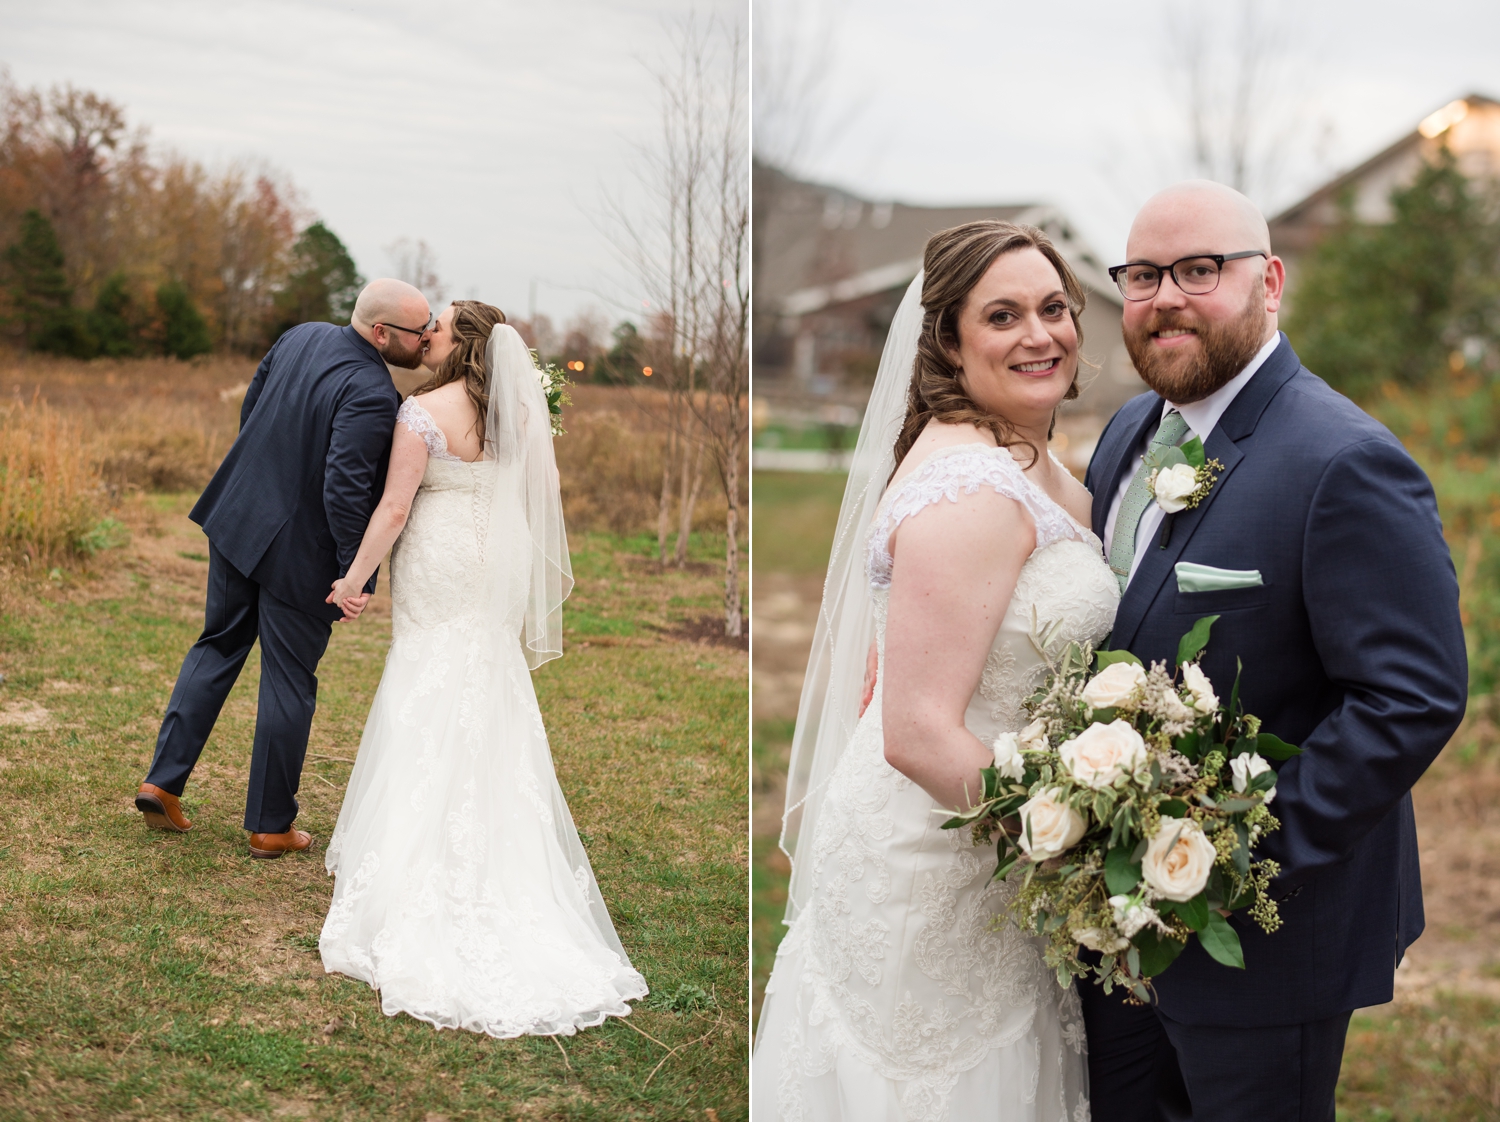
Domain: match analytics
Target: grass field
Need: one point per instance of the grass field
(1433, 1055)
(145, 975)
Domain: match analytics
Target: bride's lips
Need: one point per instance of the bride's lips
(1038, 369)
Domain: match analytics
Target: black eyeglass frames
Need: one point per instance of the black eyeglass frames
(1196, 276)
(418, 331)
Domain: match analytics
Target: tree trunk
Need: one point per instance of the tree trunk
(733, 620)
(664, 509)
(692, 483)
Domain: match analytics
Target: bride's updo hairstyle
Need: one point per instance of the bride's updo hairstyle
(952, 265)
(473, 320)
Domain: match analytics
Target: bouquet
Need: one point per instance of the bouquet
(555, 385)
(1133, 802)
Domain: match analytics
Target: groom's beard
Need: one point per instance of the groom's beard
(1224, 349)
(398, 354)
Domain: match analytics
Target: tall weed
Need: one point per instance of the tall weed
(52, 497)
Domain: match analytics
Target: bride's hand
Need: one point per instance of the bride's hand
(349, 598)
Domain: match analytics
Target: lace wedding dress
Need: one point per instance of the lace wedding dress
(896, 994)
(463, 894)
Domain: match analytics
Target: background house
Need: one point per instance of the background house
(830, 270)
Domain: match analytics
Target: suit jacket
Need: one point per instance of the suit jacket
(289, 504)
(1352, 649)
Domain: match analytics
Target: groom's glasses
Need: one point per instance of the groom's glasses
(417, 331)
(1196, 276)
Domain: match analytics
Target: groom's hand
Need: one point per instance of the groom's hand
(872, 671)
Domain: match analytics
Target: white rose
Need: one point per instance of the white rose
(1033, 737)
(1100, 754)
(1054, 827)
(1098, 939)
(1197, 683)
(1246, 768)
(1173, 485)
(1008, 761)
(1178, 859)
(1131, 914)
(1116, 684)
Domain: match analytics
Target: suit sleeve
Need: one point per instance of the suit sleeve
(257, 384)
(1382, 600)
(358, 451)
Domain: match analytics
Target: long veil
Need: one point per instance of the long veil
(518, 435)
(831, 689)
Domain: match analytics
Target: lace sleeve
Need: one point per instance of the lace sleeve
(419, 421)
(944, 475)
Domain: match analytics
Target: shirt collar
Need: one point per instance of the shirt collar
(1202, 416)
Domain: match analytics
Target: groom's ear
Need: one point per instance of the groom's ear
(1275, 277)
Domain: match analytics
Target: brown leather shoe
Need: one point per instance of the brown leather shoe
(271, 846)
(162, 810)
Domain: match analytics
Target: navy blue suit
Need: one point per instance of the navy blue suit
(1352, 649)
(284, 515)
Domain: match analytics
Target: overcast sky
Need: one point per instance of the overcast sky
(1080, 104)
(489, 128)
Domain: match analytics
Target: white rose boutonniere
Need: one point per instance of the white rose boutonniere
(1181, 478)
(1178, 859)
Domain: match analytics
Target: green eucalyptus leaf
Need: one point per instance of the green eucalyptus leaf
(1157, 952)
(1121, 874)
(1274, 748)
(1176, 808)
(1168, 458)
(1237, 805)
(1188, 745)
(1222, 942)
(1193, 912)
(1109, 658)
(1192, 644)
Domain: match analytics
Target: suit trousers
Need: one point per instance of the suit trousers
(1146, 1067)
(237, 612)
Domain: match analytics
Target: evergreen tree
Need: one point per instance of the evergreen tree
(1390, 302)
(184, 330)
(40, 296)
(113, 323)
(623, 362)
(323, 283)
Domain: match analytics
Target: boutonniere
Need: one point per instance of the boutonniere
(1181, 478)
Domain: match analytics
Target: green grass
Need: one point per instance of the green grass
(1423, 1064)
(794, 515)
(145, 975)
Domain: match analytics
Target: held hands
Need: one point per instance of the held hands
(351, 601)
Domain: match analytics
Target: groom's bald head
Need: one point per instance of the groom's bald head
(386, 305)
(1207, 216)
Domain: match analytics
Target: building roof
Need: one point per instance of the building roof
(818, 245)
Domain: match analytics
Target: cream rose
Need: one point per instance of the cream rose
(1100, 754)
(1178, 859)
(1007, 748)
(1116, 684)
(1197, 683)
(1246, 768)
(1173, 485)
(1033, 737)
(1054, 827)
(1098, 939)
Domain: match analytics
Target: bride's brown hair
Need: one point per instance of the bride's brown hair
(473, 321)
(952, 264)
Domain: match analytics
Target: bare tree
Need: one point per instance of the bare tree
(416, 264)
(688, 248)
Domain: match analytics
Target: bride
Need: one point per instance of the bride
(463, 895)
(962, 552)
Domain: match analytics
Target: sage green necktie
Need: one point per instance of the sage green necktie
(1138, 497)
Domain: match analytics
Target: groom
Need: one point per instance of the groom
(284, 515)
(1336, 589)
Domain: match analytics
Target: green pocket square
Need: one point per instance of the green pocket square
(1205, 578)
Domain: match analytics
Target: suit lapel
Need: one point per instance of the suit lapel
(1238, 422)
(1118, 456)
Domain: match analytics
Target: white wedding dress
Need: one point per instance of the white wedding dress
(896, 994)
(463, 894)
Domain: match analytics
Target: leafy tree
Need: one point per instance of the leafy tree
(184, 330)
(40, 296)
(323, 283)
(114, 323)
(1390, 303)
(622, 364)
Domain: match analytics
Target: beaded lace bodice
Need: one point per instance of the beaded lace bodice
(898, 960)
(414, 416)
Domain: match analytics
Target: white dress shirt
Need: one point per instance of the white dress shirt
(1201, 417)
